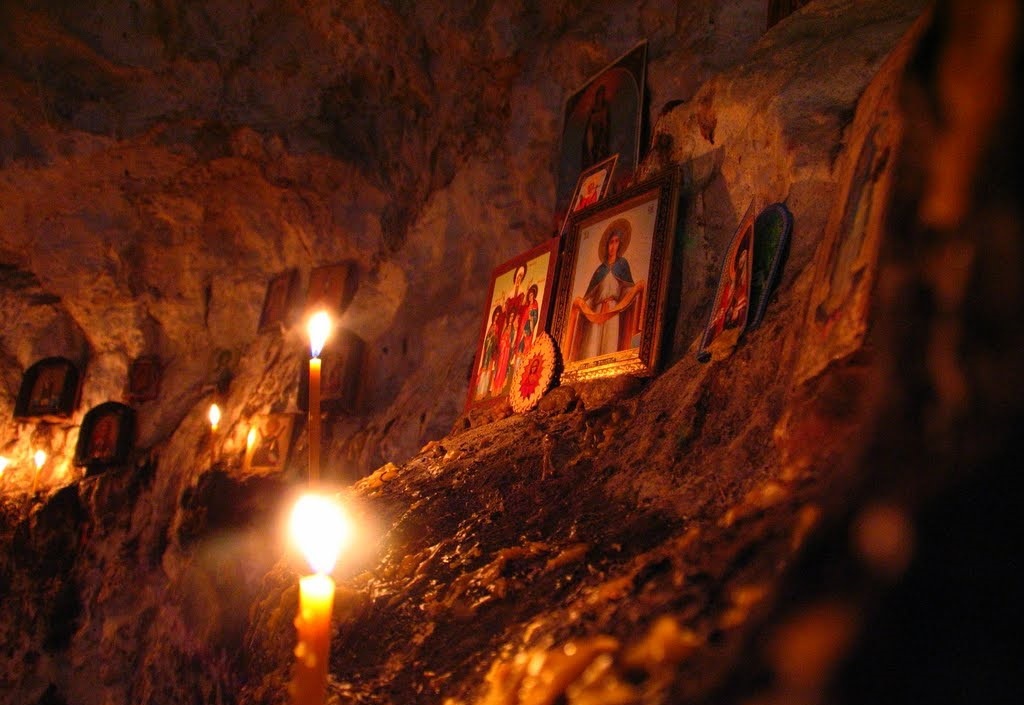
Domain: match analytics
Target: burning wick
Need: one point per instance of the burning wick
(321, 529)
(319, 329)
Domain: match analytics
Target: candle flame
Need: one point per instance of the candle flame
(40, 458)
(250, 438)
(319, 328)
(321, 529)
(214, 417)
(4, 462)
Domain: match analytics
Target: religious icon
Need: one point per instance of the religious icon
(613, 286)
(605, 314)
(144, 378)
(106, 436)
(331, 287)
(516, 312)
(49, 389)
(277, 304)
(592, 186)
(271, 442)
(772, 230)
(732, 300)
(603, 118)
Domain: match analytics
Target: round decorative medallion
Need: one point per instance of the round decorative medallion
(536, 374)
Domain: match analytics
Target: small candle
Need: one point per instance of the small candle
(320, 528)
(214, 416)
(319, 328)
(40, 460)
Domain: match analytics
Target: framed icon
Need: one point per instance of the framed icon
(107, 435)
(613, 284)
(278, 302)
(144, 377)
(602, 118)
(731, 309)
(49, 389)
(269, 443)
(332, 287)
(517, 307)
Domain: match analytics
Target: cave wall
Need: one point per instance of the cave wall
(161, 163)
(158, 165)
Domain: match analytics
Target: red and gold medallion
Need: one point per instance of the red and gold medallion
(535, 376)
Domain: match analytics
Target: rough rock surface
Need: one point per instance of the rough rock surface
(160, 163)
(732, 532)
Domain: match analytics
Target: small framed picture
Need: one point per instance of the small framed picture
(603, 118)
(332, 287)
(591, 186)
(517, 307)
(772, 231)
(612, 289)
(144, 377)
(106, 436)
(270, 443)
(732, 298)
(49, 389)
(277, 304)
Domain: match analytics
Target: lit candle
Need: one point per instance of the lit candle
(4, 462)
(319, 328)
(214, 417)
(40, 459)
(321, 529)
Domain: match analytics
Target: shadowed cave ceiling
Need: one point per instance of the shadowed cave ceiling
(718, 533)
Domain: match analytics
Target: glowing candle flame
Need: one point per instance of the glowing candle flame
(40, 458)
(319, 328)
(250, 438)
(214, 417)
(321, 529)
(4, 462)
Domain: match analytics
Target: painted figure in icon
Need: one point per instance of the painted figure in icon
(529, 317)
(268, 452)
(507, 343)
(489, 355)
(589, 192)
(732, 302)
(596, 130)
(734, 298)
(606, 318)
(46, 390)
(103, 442)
